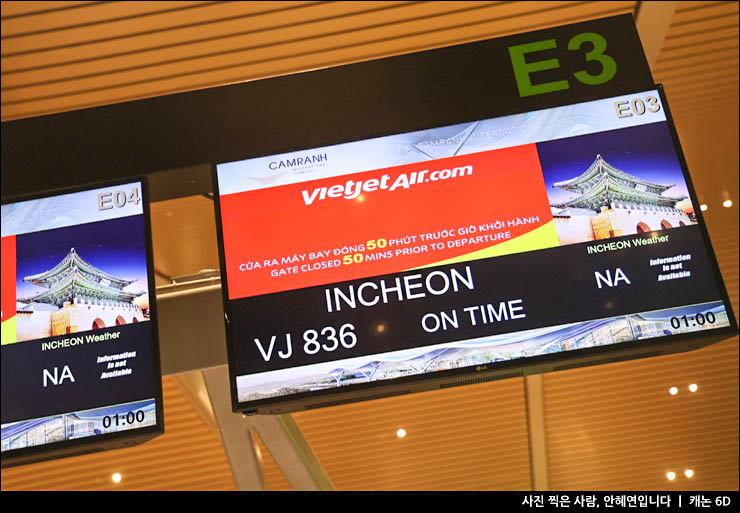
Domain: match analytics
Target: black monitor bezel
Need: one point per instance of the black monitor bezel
(108, 441)
(499, 370)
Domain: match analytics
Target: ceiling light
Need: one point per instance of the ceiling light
(703, 207)
(671, 476)
(116, 477)
(688, 473)
(693, 387)
(727, 203)
(673, 390)
(401, 433)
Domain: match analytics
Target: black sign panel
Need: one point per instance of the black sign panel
(545, 68)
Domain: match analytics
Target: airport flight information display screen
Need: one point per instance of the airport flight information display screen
(459, 247)
(79, 344)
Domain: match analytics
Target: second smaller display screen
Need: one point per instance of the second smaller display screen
(78, 341)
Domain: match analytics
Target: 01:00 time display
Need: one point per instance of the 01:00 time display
(129, 418)
(692, 320)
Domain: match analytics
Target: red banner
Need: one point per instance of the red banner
(7, 292)
(380, 221)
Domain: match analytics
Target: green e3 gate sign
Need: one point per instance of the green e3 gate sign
(524, 69)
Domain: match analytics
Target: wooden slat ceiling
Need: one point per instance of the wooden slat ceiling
(607, 427)
(698, 62)
(472, 438)
(618, 428)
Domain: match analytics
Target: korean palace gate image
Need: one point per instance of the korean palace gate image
(79, 297)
